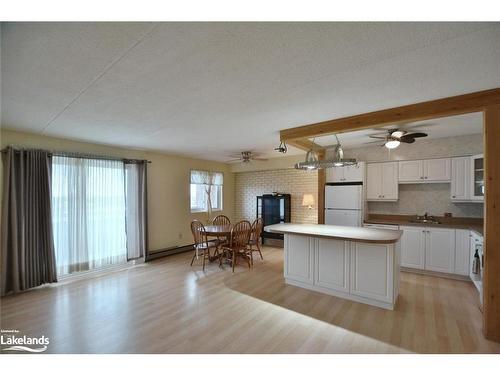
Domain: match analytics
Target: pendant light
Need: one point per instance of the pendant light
(312, 161)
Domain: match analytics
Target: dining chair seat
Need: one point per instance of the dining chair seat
(238, 243)
(208, 245)
(201, 242)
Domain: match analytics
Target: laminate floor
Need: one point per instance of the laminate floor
(165, 306)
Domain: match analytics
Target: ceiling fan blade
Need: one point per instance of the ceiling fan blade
(417, 135)
(407, 140)
(370, 143)
(378, 136)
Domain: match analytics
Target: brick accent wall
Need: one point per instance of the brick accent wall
(248, 185)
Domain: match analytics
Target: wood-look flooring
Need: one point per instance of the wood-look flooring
(165, 306)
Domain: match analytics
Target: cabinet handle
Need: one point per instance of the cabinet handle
(421, 177)
(453, 196)
(425, 177)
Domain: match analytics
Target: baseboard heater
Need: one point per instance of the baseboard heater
(168, 251)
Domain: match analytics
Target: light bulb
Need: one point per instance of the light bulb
(392, 144)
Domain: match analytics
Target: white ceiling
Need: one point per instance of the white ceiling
(452, 126)
(209, 90)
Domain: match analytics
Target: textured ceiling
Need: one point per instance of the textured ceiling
(209, 90)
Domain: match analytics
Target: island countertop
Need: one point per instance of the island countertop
(357, 234)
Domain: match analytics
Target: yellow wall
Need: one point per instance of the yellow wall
(168, 184)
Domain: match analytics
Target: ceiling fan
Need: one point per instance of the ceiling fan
(394, 137)
(246, 157)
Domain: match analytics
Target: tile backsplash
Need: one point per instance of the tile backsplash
(421, 198)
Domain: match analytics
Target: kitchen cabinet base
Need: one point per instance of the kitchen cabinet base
(351, 297)
(437, 274)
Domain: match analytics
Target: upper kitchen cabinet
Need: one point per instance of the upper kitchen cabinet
(382, 181)
(350, 173)
(477, 177)
(425, 171)
(460, 178)
(467, 179)
(411, 171)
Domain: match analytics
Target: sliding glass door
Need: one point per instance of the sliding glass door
(88, 213)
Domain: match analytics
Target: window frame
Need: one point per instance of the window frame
(220, 192)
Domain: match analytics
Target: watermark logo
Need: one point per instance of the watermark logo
(11, 340)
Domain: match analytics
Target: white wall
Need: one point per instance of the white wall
(248, 185)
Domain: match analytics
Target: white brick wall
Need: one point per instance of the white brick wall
(248, 185)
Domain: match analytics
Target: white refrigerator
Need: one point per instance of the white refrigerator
(344, 204)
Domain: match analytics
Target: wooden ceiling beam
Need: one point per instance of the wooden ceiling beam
(305, 145)
(455, 105)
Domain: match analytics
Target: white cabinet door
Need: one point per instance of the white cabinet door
(472, 250)
(354, 173)
(332, 264)
(413, 247)
(299, 253)
(477, 178)
(462, 252)
(372, 271)
(437, 170)
(390, 181)
(460, 178)
(374, 181)
(411, 171)
(335, 174)
(440, 250)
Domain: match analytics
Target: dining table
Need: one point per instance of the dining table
(220, 232)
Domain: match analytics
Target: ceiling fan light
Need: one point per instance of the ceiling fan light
(397, 134)
(392, 144)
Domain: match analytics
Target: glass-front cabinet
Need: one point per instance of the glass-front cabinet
(477, 188)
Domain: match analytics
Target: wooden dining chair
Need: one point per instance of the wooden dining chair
(257, 227)
(238, 243)
(201, 242)
(221, 220)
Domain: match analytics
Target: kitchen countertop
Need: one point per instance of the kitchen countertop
(405, 220)
(356, 234)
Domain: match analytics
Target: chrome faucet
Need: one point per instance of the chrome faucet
(426, 218)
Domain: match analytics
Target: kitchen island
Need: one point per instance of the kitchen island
(355, 263)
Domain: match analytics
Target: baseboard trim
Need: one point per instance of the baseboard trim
(437, 274)
(168, 251)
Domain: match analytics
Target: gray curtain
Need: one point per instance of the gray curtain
(136, 215)
(27, 247)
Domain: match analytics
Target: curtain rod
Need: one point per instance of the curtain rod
(81, 155)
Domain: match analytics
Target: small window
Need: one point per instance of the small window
(202, 184)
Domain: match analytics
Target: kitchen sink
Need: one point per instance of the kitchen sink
(425, 221)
